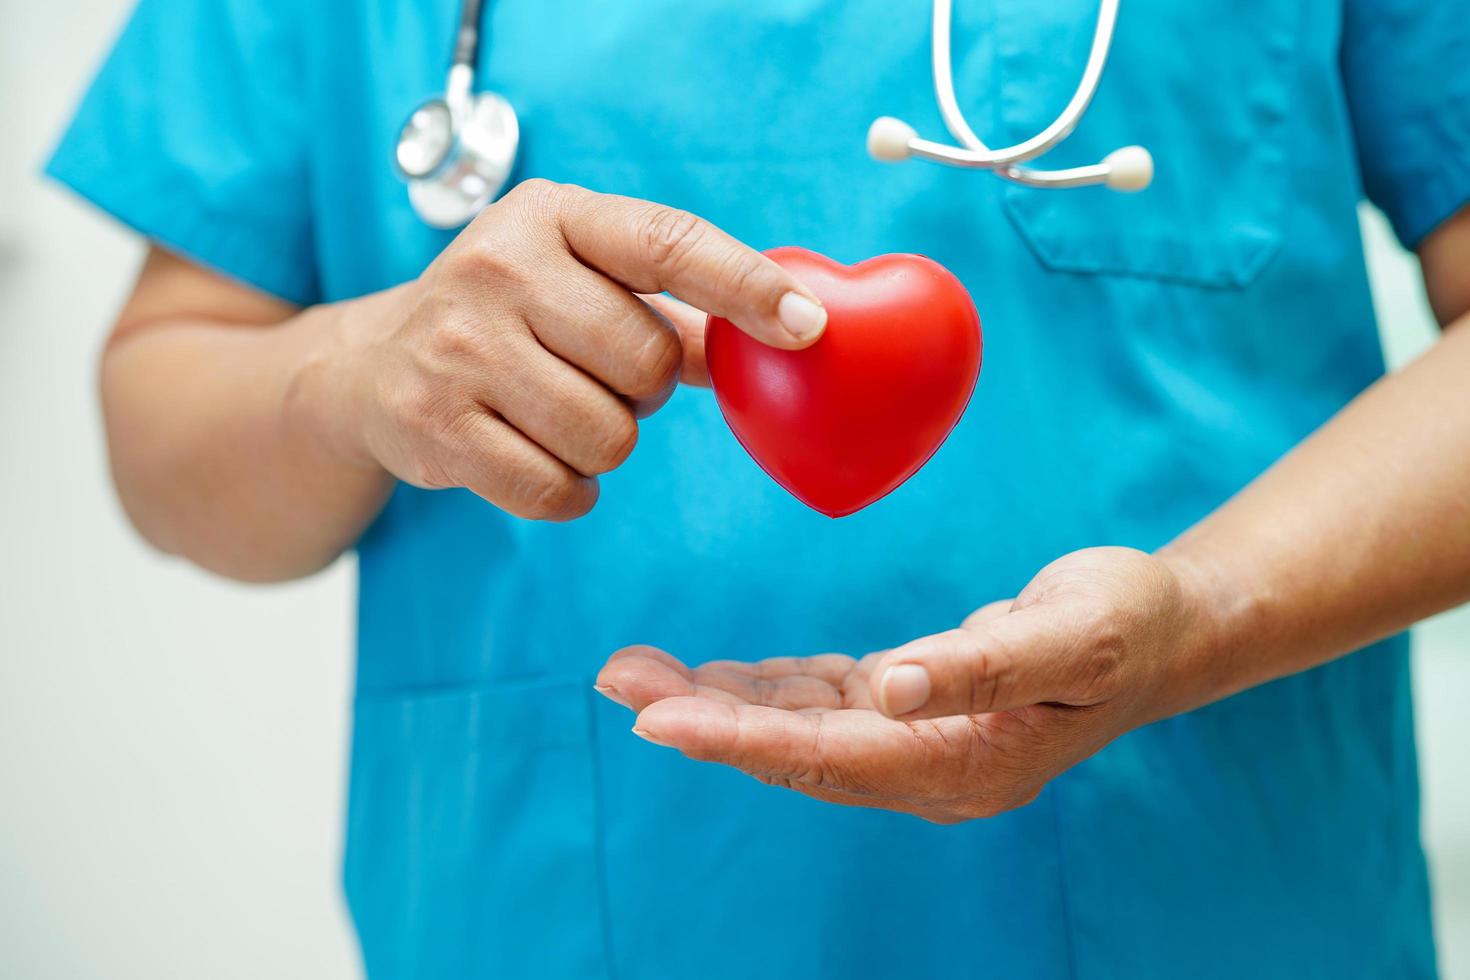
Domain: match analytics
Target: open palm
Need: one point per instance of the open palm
(808, 724)
(1020, 692)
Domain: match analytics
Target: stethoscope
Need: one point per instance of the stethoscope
(457, 150)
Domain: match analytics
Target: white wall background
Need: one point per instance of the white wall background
(172, 747)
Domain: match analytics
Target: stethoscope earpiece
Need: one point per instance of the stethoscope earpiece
(1128, 168)
(889, 139)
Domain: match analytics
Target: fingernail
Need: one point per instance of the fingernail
(611, 693)
(647, 737)
(905, 688)
(802, 316)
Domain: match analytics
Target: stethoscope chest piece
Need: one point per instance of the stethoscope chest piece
(455, 167)
(456, 151)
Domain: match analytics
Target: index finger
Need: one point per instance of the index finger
(650, 248)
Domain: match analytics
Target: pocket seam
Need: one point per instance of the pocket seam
(1236, 261)
(434, 726)
(599, 838)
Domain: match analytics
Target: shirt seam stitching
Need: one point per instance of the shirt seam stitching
(1064, 899)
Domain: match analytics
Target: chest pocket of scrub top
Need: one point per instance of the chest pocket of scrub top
(1205, 86)
(472, 842)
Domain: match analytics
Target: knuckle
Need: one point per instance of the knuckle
(655, 364)
(536, 193)
(525, 217)
(1105, 648)
(453, 339)
(452, 425)
(1102, 674)
(617, 443)
(503, 265)
(558, 498)
(536, 501)
(666, 235)
(986, 667)
(494, 260)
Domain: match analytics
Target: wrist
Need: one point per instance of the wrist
(329, 395)
(1218, 613)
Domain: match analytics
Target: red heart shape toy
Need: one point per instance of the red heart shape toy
(844, 422)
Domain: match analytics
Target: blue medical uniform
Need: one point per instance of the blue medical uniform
(1146, 356)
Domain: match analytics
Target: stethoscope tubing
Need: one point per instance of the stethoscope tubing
(979, 155)
(1129, 168)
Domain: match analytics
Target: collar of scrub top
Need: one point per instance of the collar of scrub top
(1128, 168)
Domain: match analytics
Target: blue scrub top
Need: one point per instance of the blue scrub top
(1146, 356)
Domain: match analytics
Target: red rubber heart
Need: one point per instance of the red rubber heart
(844, 422)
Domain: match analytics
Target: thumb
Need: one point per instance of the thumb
(690, 322)
(1001, 664)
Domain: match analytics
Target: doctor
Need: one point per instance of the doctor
(1156, 756)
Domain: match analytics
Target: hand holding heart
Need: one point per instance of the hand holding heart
(963, 724)
(520, 363)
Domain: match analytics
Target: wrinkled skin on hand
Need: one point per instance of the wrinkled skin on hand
(1024, 689)
(519, 364)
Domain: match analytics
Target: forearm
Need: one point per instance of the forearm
(1358, 533)
(216, 447)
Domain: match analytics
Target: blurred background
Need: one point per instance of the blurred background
(173, 747)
